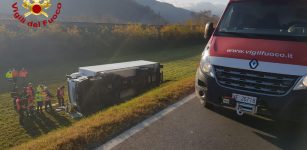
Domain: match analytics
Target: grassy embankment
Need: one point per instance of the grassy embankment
(180, 65)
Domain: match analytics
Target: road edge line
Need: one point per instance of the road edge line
(139, 127)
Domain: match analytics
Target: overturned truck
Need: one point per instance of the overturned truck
(96, 87)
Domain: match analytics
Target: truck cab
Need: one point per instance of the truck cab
(255, 61)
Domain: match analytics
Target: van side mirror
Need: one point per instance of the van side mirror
(209, 29)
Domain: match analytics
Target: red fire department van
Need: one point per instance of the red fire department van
(256, 59)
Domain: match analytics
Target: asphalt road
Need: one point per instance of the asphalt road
(193, 127)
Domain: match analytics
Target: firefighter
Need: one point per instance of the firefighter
(9, 76)
(60, 96)
(47, 96)
(20, 109)
(30, 95)
(39, 102)
(15, 75)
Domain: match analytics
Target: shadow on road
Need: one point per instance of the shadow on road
(285, 135)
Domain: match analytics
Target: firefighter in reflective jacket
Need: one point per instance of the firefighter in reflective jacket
(20, 108)
(39, 102)
(9, 76)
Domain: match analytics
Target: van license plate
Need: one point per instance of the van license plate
(245, 99)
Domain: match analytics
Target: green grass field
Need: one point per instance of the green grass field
(179, 63)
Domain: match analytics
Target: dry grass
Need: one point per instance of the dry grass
(102, 126)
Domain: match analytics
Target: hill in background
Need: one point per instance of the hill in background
(216, 9)
(167, 11)
(109, 11)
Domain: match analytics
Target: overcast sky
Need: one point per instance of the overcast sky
(186, 3)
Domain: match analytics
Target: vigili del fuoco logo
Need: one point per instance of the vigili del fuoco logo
(35, 13)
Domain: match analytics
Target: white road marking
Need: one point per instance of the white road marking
(127, 134)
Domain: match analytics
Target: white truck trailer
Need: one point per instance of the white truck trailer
(96, 87)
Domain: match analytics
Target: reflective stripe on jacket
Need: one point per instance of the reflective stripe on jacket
(38, 97)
